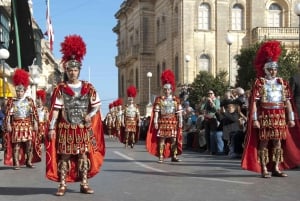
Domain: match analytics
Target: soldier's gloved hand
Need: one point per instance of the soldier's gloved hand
(51, 133)
(291, 123)
(256, 124)
(9, 129)
(156, 125)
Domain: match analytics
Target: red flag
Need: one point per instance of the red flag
(49, 32)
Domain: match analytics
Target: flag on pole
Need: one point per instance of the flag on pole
(49, 32)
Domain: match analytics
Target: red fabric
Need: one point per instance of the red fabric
(8, 153)
(8, 146)
(290, 146)
(96, 153)
(152, 141)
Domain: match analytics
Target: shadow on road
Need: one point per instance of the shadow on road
(20, 191)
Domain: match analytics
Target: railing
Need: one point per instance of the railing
(279, 33)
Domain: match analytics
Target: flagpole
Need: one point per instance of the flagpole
(89, 74)
(17, 34)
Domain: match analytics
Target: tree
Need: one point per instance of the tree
(288, 65)
(205, 81)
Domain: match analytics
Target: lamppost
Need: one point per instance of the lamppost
(35, 79)
(229, 41)
(187, 60)
(149, 106)
(149, 75)
(297, 11)
(4, 54)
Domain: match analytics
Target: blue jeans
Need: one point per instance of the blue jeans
(216, 142)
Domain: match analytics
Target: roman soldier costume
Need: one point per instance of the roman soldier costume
(76, 148)
(131, 119)
(164, 137)
(43, 113)
(21, 122)
(270, 145)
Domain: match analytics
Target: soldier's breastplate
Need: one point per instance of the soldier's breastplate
(21, 108)
(167, 107)
(273, 92)
(76, 108)
(130, 112)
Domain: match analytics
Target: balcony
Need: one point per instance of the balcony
(287, 34)
(131, 54)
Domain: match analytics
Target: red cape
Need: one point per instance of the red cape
(8, 147)
(96, 153)
(152, 141)
(290, 146)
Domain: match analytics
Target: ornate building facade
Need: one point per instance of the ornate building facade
(189, 36)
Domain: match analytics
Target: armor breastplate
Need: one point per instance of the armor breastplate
(76, 108)
(21, 108)
(130, 111)
(273, 92)
(167, 106)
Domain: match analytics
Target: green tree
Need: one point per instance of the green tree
(288, 63)
(205, 81)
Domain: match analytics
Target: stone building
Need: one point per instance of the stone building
(189, 36)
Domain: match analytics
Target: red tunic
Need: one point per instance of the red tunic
(96, 148)
(290, 137)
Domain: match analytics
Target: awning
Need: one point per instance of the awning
(9, 89)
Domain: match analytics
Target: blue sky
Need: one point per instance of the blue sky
(93, 20)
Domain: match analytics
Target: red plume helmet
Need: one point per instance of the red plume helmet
(73, 49)
(167, 78)
(41, 94)
(131, 91)
(267, 56)
(21, 78)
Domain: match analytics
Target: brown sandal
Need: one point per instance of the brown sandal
(61, 190)
(279, 174)
(266, 175)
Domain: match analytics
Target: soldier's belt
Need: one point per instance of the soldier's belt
(272, 105)
(21, 119)
(168, 115)
(70, 126)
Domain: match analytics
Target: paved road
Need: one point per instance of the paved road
(134, 175)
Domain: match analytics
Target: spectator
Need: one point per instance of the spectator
(210, 107)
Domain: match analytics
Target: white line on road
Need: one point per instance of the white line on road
(138, 163)
(159, 170)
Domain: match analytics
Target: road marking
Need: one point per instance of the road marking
(138, 163)
(159, 170)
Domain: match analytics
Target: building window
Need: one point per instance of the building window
(163, 28)
(137, 78)
(177, 69)
(157, 31)
(158, 75)
(176, 20)
(204, 17)
(237, 17)
(4, 29)
(163, 66)
(275, 16)
(204, 63)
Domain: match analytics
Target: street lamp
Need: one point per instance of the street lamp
(229, 41)
(149, 75)
(35, 79)
(297, 11)
(4, 54)
(187, 60)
